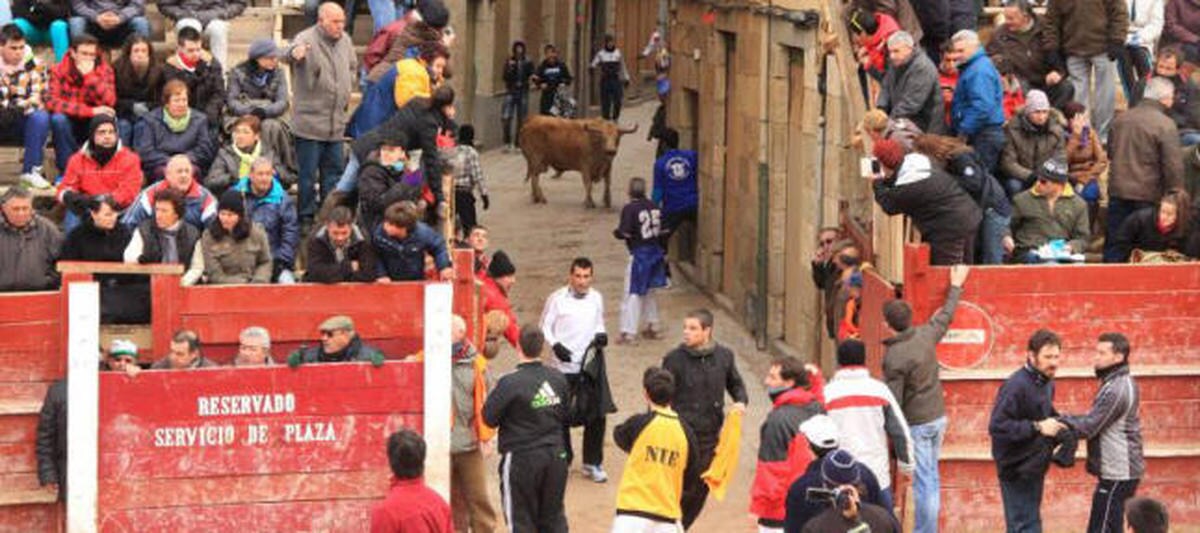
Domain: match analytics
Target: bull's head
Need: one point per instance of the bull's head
(607, 135)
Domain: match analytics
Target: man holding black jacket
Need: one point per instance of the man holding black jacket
(1021, 427)
(573, 322)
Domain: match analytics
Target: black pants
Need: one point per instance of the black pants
(1133, 66)
(593, 433)
(464, 209)
(532, 486)
(695, 490)
(547, 100)
(1108, 505)
(612, 93)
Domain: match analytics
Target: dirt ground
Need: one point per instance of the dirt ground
(542, 240)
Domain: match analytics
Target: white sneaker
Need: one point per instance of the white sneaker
(34, 179)
(595, 473)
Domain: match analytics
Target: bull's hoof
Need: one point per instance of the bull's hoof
(589, 204)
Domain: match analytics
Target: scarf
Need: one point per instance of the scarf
(189, 66)
(167, 242)
(245, 159)
(1164, 230)
(101, 154)
(258, 76)
(177, 125)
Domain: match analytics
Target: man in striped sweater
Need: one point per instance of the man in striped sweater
(867, 415)
(1114, 435)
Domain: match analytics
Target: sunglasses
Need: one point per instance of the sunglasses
(325, 333)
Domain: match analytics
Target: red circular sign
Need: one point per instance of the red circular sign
(969, 340)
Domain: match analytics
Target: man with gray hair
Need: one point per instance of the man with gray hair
(1091, 34)
(977, 111)
(1144, 150)
(254, 348)
(910, 86)
(268, 204)
(323, 66)
(29, 245)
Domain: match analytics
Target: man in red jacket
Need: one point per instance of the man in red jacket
(102, 166)
(797, 394)
(501, 275)
(81, 86)
(410, 507)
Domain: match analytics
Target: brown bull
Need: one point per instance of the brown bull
(585, 145)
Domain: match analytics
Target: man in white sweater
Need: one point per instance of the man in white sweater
(573, 322)
(868, 415)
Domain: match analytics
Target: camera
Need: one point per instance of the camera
(838, 497)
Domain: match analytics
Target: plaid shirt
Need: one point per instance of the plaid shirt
(467, 172)
(24, 89)
(74, 94)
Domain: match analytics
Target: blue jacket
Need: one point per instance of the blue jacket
(978, 97)
(277, 214)
(800, 510)
(1020, 451)
(675, 181)
(404, 260)
(378, 105)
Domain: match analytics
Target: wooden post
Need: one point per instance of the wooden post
(83, 393)
(437, 387)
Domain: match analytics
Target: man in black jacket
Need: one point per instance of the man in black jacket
(704, 371)
(910, 185)
(528, 408)
(551, 74)
(1022, 426)
(339, 251)
(203, 74)
(517, 71)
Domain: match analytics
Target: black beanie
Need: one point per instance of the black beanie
(232, 200)
(434, 13)
(501, 265)
(851, 352)
(100, 120)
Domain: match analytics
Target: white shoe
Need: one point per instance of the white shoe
(34, 179)
(595, 473)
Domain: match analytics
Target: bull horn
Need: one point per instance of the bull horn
(627, 131)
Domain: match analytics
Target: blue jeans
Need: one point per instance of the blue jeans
(1090, 193)
(125, 131)
(991, 237)
(70, 222)
(1022, 504)
(313, 156)
(32, 130)
(1118, 210)
(927, 447)
(5, 12)
(114, 37)
(55, 34)
(988, 143)
(349, 180)
(1190, 138)
(66, 132)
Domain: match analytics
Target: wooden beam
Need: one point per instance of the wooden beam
(83, 389)
(98, 267)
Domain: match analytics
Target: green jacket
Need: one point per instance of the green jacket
(1033, 224)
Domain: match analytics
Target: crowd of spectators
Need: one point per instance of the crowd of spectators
(1035, 107)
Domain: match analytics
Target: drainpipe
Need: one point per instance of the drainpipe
(764, 194)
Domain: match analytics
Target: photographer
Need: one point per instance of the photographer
(809, 495)
(849, 514)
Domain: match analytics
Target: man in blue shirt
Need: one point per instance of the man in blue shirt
(977, 111)
(675, 189)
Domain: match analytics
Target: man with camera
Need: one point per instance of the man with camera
(810, 495)
(848, 513)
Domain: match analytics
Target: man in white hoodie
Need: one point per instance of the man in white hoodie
(867, 415)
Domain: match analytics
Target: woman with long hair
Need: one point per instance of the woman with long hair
(139, 79)
(1168, 226)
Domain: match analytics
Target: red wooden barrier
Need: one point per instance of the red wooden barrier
(299, 449)
(1156, 306)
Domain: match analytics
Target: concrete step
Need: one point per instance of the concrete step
(1170, 401)
(968, 481)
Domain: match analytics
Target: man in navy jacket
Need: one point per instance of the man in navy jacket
(1022, 427)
